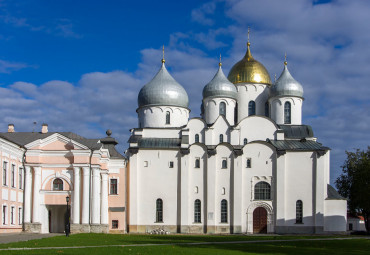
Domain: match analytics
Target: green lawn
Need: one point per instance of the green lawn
(350, 246)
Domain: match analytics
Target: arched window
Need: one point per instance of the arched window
(168, 118)
(159, 211)
(251, 108)
(224, 211)
(267, 109)
(249, 162)
(287, 113)
(221, 138)
(197, 138)
(197, 211)
(224, 163)
(222, 109)
(197, 163)
(58, 184)
(262, 191)
(299, 211)
(245, 141)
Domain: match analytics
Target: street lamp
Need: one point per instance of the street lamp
(66, 220)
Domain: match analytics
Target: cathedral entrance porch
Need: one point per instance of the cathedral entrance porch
(260, 218)
(260, 221)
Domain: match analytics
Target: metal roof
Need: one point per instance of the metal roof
(296, 131)
(168, 143)
(294, 145)
(286, 85)
(162, 90)
(220, 86)
(333, 194)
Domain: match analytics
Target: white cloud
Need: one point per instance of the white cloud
(200, 14)
(9, 66)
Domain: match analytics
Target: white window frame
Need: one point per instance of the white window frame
(4, 214)
(13, 174)
(20, 177)
(6, 170)
(20, 215)
(12, 215)
(117, 178)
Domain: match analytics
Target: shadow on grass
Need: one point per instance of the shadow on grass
(359, 246)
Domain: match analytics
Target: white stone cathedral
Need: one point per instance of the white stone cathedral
(248, 165)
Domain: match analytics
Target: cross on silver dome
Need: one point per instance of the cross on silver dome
(286, 85)
(163, 90)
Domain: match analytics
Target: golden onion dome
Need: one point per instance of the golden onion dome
(249, 70)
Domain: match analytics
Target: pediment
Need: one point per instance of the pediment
(56, 142)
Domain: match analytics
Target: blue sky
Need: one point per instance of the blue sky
(79, 65)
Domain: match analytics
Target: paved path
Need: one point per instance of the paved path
(17, 237)
(182, 244)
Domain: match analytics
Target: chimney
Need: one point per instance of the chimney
(11, 128)
(44, 128)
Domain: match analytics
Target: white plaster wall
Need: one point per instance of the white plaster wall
(277, 109)
(212, 109)
(335, 215)
(156, 180)
(263, 157)
(155, 116)
(212, 135)
(256, 128)
(196, 126)
(222, 179)
(161, 133)
(248, 92)
(299, 186)
(195, 179)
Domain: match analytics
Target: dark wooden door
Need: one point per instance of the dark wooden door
(260, 221)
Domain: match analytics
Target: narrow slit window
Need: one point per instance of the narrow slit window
(249, 163)
(221, 138)
(299, 212)
(223, 109)
(287, 113)
(197, 138)
(159, 210)
(168, 118)
(224, 163)
(197, 211)
(251, 108)
(197, 163)
(224, 211)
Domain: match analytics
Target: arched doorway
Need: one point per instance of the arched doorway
(260, 221)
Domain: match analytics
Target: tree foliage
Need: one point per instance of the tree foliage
(354, 183)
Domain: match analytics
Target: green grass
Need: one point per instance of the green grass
(350, 246)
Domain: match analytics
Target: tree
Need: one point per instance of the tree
(354, 183)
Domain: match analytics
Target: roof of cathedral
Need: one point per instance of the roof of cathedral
(24, 138)
(297, 145)
(333, 194)
(297, 131)
(220, 86)
(286, 85)
(249, 70)
(163, 90)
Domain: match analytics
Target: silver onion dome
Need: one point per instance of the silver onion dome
(220, 86)
(286, 85)
(162, 90)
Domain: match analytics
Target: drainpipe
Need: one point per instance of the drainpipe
(24, 180)
(90, 190)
